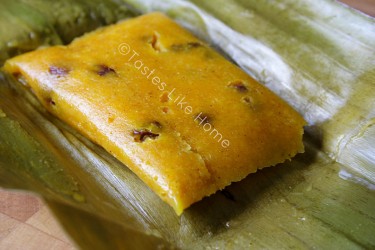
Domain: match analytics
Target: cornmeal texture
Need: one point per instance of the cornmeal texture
(178, 114)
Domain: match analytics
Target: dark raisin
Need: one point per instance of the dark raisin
(104, 69)
(58, 71)
(239, 86)
(142, 134)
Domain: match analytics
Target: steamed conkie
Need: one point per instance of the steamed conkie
(179, 115)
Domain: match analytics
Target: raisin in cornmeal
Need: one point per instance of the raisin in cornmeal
(165, 104)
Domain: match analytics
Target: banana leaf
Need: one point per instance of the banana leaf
(28, 24)
(318, 56)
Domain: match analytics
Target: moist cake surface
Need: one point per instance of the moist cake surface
(174, 111)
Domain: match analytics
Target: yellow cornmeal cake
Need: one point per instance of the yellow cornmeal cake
(178, 114)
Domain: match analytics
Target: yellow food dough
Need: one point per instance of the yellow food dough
(178, 114)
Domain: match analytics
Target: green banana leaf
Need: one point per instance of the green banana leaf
(27, 24)
(317, 55)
